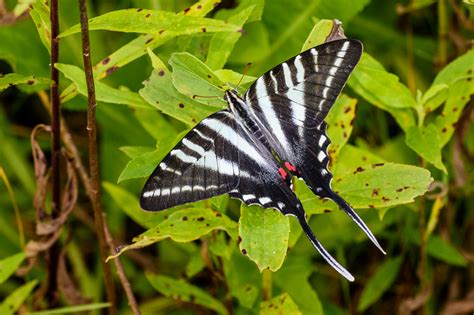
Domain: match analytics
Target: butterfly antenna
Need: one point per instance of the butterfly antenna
(319, 247)
(355, 217)
(244, 73)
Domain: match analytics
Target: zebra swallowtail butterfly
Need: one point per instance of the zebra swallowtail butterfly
(251, 149)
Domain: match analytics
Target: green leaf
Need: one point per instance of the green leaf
(380, 282)
(130, 205)
(382, 89)
(13, 302)
(233, 78)
(194, 78)
(9, 265)
(434, 97)
(183, 291)
(40, 13)
(73, 309)
(144, 164)
(160, 92)
(319, 34)
(135, 151)
(339, 120)
(184, 226)
(459, 69)
(153, 21)
(243, 279)
(222, 43)
(282, 304)
(382, 185)
(264, 236)
(293, 279)
(425, 142)
(155, 123)
(12, 79)
(104, 93)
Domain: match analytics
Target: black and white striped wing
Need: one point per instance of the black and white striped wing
(293, 99)
(205, 163)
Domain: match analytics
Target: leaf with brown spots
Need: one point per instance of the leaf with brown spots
(264, 234)
(426, 142)
(184, 225)
(282, 304)
(13, 79)
(339, 124)
(180, 290)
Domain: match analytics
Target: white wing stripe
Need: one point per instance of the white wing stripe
(300, 73)
(196, 148)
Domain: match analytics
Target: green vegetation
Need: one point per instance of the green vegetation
(402, 154)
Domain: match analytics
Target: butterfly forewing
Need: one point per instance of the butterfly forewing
(203, 164)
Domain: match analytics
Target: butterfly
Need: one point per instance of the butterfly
(252, 149)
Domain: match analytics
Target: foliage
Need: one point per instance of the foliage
(401, 154)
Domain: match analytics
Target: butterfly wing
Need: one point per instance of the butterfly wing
(202, 165)
(261, 183)
(293, 99)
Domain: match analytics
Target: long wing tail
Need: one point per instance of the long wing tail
(319, 247)
(355, 217)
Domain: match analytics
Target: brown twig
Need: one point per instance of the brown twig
(53, 256)
(93, 157)
(121, 273)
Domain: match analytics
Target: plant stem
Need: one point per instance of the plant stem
(53, 254)
(442, 34)
(93, 157)
(266, 284)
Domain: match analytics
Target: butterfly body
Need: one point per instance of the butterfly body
(252, 149)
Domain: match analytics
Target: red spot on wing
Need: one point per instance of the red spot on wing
(290, 167)
(282, 172)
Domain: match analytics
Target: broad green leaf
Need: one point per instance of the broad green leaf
(155, 123)
(380, 282)
(153, 21)
(264, 236)
(378, 86)
(184, 226)
(233, 78)
(195, 264)
(282, 304)
(458, 97)
(459, 76)
(22, 6)
(319, 34)
(382, 89)
(104, 93)
(9, 265)
(135, 151)
(434, 97)
(351, 157)
(13, 302)
(160, 92)
(183, 291)
(256, 14)
(219, 246)
(339, 120)
(425, 142)
(243, 279)
(222, 43)
(459, 69)
(196, 80)
(130, 205)
(142, 166)
(382, 185)
(39, 13)
(73, 309)
(292, 278)
(12, 79)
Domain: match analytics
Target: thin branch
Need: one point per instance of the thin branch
(93, 158)
(54, 251)
(121, 273)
